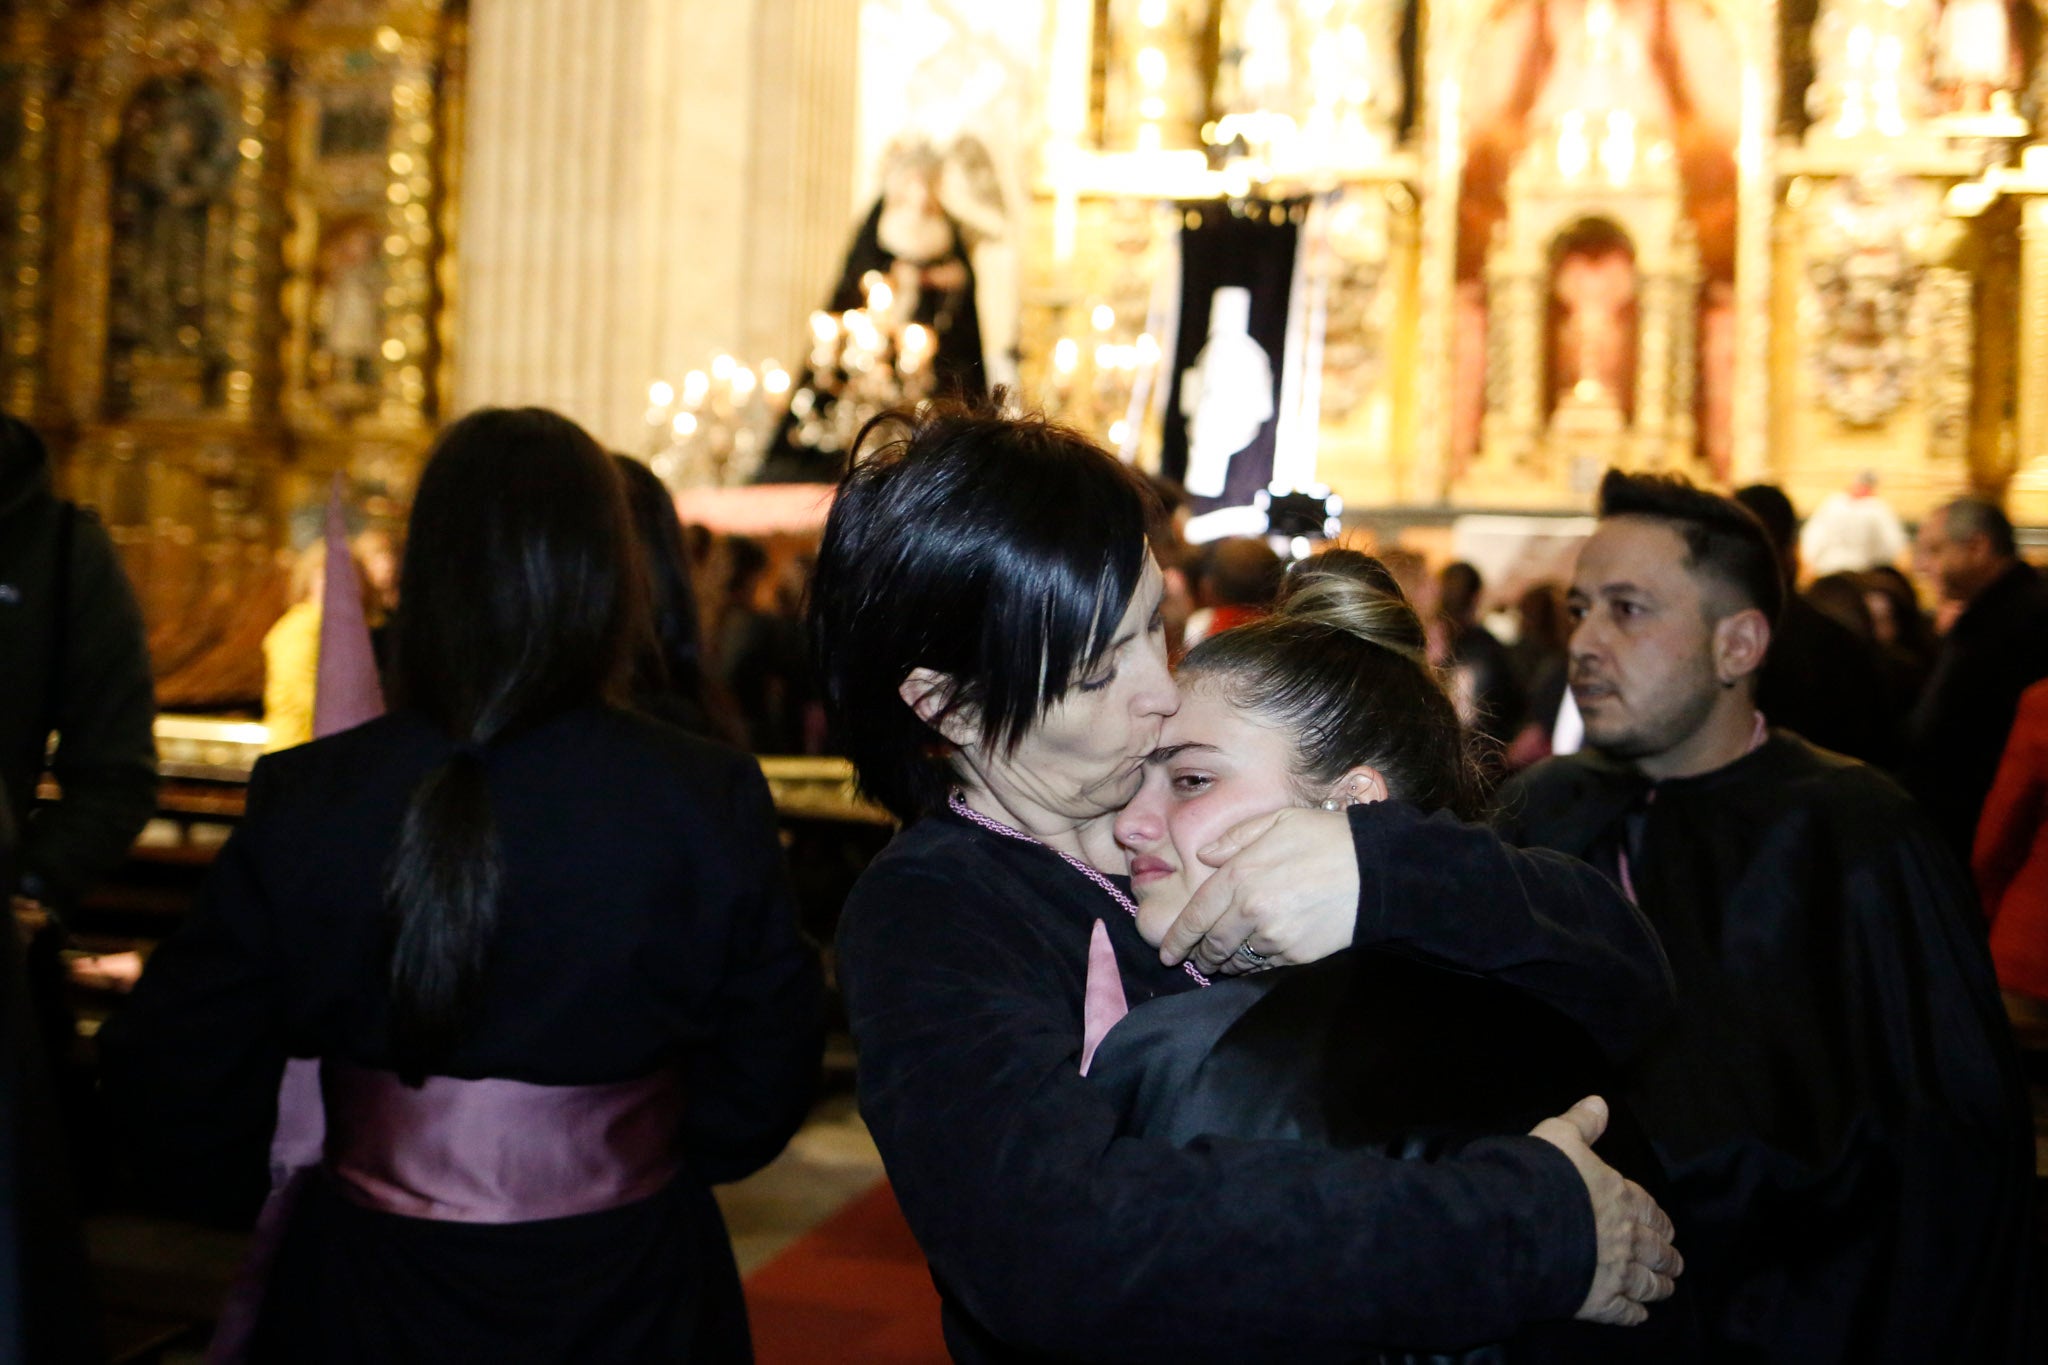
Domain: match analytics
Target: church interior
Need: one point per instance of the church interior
(1399, 274)
(252, 246)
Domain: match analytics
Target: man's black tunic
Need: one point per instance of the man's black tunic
(1838, 1105)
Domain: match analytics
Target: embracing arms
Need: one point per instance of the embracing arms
(1057, 1235)
(1301, 884)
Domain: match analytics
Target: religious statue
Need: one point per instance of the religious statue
(1595, 285)
(1974, 54)
(902, 323)
(173, 168)
(1227, 395)
(348, 318)
(1863, 272)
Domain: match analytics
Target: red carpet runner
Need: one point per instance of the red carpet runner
(852, 1291)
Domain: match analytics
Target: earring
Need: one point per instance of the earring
(1330, 803)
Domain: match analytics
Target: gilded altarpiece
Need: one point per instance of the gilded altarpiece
(229, 220)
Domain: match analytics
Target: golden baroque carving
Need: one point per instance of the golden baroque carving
(1945, 328)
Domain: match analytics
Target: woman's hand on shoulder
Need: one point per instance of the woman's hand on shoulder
(1286, 885)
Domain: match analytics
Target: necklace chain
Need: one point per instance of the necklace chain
(958, 805)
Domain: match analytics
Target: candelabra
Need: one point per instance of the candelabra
(1103, 382)
(712, 429)
(863, 362)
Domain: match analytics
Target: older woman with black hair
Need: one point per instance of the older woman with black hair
(542, 948)
(986, 618)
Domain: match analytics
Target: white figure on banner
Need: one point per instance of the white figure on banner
(1226, 395)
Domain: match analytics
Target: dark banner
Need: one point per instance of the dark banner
(1223, 403)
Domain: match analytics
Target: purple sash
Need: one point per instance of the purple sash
(489, 1151)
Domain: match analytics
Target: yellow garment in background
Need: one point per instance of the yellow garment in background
(291, 674)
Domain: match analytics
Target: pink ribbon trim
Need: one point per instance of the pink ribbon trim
(1103, 1003)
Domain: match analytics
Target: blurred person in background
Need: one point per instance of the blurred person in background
(1239, 585)
(1816, 681)
(669, 681)
(1996, 648)
(1483, 679)
(291, 653)
(74, 665)
(761, 663)
(1897, 621)
(1541, 663)
(2010, 859)
(47, 1310)
(1852, 530)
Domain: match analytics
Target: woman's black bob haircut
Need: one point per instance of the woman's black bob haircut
(999, 551)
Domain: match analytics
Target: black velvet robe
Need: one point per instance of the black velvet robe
(1374, 1051)
(645, 923)
(1838, 1106)
(1053, 1235)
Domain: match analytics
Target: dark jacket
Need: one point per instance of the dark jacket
(73, 660)
(1829, 685)
(1839, 1108)
(645, 924)
(46, 1304)
(1053, 1236)
(1996, 649)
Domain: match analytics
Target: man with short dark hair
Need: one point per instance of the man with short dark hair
(1837, 1105)
(1995, 650)
(1817, 680)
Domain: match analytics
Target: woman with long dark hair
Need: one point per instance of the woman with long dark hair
(541, 948)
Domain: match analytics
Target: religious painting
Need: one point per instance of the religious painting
(173, 168)
(1597, 213)
(1592, 345)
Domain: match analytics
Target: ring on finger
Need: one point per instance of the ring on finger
(1253, 958)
